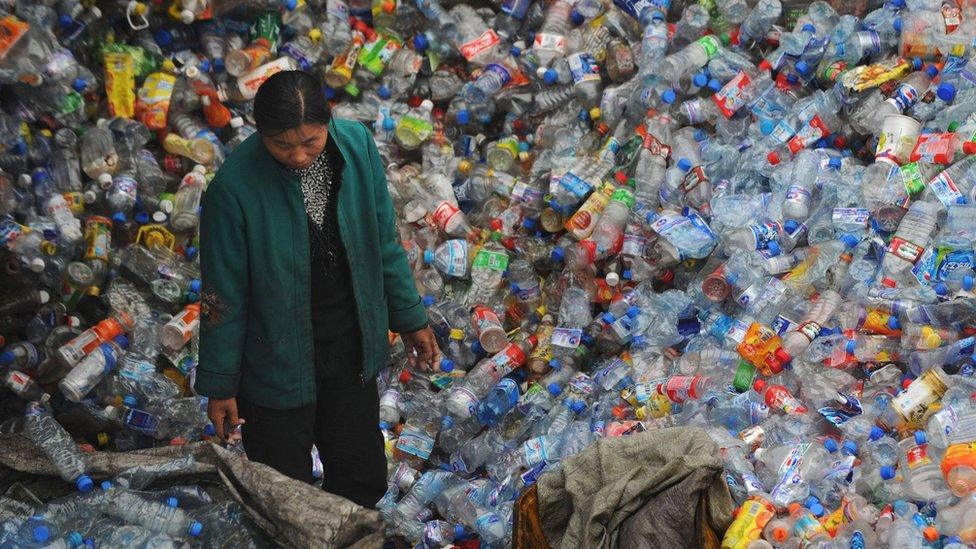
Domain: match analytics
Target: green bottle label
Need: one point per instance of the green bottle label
(744, 375)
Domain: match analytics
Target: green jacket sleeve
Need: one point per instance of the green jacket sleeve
(224, 277)
(406, 311)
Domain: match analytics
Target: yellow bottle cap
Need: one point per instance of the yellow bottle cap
(457, 333)
(315, 35)
(595, 113)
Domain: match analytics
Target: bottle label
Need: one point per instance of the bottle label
(120, 84)
(692, 179)
(390, 398)
(918, 456)
(154, 96)
(464, 397)
(376, 54)
(633, 245)
(575, 185)
(444, 213)
(655, 146)
(473, 48)
(765, 233)
(486, 259)
(732, 96)
(789, 473)
(905, 96)
(625, 196)
(457, 258)
(945, 189)
(948, 260)
(912, 403)
(749, 523)
(457, 463)
(485, 521)
(851, 216)
(680, 388)
(809, 329)
(912, 178)
(12, 30)
(810, 132)
(415, 443)
(535, 450)
(952, 16)
(583, 68)
(509, 358)
(905, 250)
(419, 127)
(549, 41)
(710, 44)
(568, 338)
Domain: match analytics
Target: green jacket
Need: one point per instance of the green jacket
(255, 323)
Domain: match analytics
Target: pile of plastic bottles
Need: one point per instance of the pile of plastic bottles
(122, 513)
(753, 217)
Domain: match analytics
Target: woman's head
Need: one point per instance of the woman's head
(292, 114)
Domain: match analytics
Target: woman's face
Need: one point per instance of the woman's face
(299, 147)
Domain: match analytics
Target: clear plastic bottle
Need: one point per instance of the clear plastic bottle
(58, 445)
(912, 237)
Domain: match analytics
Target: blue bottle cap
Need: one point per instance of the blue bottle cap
(195, 285)
(447, 365)
(65, 20)
(821, 143)
(458, 531)
(766, 126)
(896, 24)
(791, 226)
(163, 37)
(638, 340)
(385, 425)
(968, 282)
(218, 65)
(831, 445)
(550, 76)
(917, 63)
(75, 539)
(577, 406)
(849, 240)
(700, 135)
(684, 164)
(420, 43)
(477, 349)
(428, 257)
(932, 71)
(633, 311)
(668, 96)
(773, 247)
(41, 533)
(329, 92)
(576, 17)
(887, 472)
(894, 323)
(383, 92)
(141, 218)
(714, 84)
(7, 358)
(808, 27)
(118, 217)
(608, 318)
(84, 484)
(558, 255)
(627, 274)
(209, 430)
(195, 529)
(834, 162)
(700, 79)
(121, 341)
(851, 345)
(130, 400)
(941, 289)
(802, 67)
(810, 501)
(172, 502)
(106, 485)
(850, 447)
(463, 117)
(817, 509)
(79, 84)
(876, 433)
(388, 124)
(528, 223)
(428, 300)
(554, 389)
(946, 91)
(515, 51)
(920, 437)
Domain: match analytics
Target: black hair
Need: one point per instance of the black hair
(287, 100)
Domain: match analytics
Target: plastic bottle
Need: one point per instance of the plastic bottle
(58, 446)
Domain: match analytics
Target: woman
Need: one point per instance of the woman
(303, 274)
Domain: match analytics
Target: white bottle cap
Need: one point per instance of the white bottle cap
(37, 265)
(43, 296)
(187, 17)
(427, 104)
(236, 122)
(200, 168)
(104, 180)
(159, 217)
(96, 12)
(166, 206)
(612, 279)
(193, 72)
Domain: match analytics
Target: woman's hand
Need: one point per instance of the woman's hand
(421, 347)
(223, 414)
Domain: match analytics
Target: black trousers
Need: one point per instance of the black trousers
(343, 424)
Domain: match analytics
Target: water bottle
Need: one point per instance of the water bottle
(910, 240)
(93, 368)
(58, 446)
